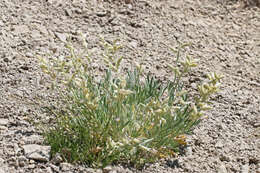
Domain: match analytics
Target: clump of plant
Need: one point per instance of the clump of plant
(124, 117)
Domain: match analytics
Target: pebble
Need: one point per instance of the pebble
(62, 37)
(1, 161)
(89, 170)
(31, 166)
(245, 168)
(68, 12)
(48, 170)
(107, 169)
(65, 166)
(188, 151)
(54, 167)
(222, 168)
(224, 157)
(3, 128)
(101, 14)
(99, 171)
(3, 122)
(57, 158)
(219, 144)
(22, 161)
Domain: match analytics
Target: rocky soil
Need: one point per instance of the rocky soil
(225, 37)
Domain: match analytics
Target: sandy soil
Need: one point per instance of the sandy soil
(225, 37)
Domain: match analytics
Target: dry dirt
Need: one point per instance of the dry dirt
(225, 37)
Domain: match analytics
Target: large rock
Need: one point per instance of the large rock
(37, 152)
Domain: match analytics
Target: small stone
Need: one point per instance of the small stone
(56, 2)
(31, 161)
(244, 168)
(20, 29)
(2, 170)
(25, 67)
(1, 161)
(193, 85)
(257, 124)
(13, 161)
(219, 144)
(224, 157)
(65, 166)
(31, 166)
(78, 11)
(240, 71)
(128, 1)
(3, 122)
(89, 170)
(3, 128)
(61, 36)
(6, 59)
(101, 14)
(54, 167)
(48, 170)
(68, 12)
(22, 161)
(188, 151)
(99, 171)
(113, 171)
(37, 152)
(29, 55)
(107, 169)
(57, 158)
(133, 44)
(222, 168)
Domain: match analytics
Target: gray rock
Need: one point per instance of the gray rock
(48, 170)
(31, 166)
(89, 170)
(219, 144)
(107, 169)
(244, 168)
(37, 152)
(65, 166)
(3, 122)
(61, 36)
(2, 170)
(99, 171)
(222, 168)
(133, 44)
(188, 151)
(3, 128)
(1, 161)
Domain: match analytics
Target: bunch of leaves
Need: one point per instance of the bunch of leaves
(124, 117)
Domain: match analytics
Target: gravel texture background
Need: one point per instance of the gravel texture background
(225, 37)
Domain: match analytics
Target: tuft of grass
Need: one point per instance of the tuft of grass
(124, 117)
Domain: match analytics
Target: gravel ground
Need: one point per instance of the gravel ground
(225, 37)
